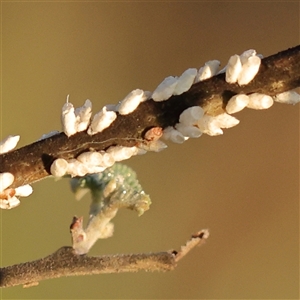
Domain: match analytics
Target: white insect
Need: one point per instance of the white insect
(249, 70)
(209, 126)
(233, 69)
(83, 116)
(289, 97)
(68, 119)
(170, 133)
(237, 103)
(9, 203)
(259, 101)
(209, 69)
(6, 179)
(188, 130)
(76, 168)
(24, 190)
(120, 153)
(191, 115)
(185, 81)
(101, 121)
(165, 89)
(156, 146)
(108, 159)
(131, 101)
(59, 167)
(212, 125)
(91, 158)
(9, 143)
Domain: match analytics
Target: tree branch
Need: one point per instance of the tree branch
(278, 73)
(64, 262)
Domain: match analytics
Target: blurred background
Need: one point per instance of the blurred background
(243, 186)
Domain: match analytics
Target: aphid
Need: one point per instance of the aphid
(165, 89)
(83, 115)
(191, 115)
(185, 81)
(289, 97)
(233, 69)
(101, 121)
(260, 101)
(59, 167)
(24, 190)
(209, 69)
(131, 102)
(170, 133)
(68, 118)
(9, 143)
(237, 103)
(6, 179)
(188, 130)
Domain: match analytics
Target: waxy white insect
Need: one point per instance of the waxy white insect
(59, 167)
(188, 130)
(237, 103)
(68, 119)
(209, 69)
(131, 101)
(9, 203)
(83, 116)
(289, 97)
(191, 115)
(24, 190)
(165, 89)
(120, 153)
(185, 81)
(170, 133)
(249, 70)
(101, 121)
(259, 101)
(92, 158)
(233, 69)
(156, 146)
(9, 143)
(108, 159)
(208, 125)
(6, 179)
(226, 121)
(76, 168)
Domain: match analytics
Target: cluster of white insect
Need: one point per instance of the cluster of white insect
(9, 196)
(192, 122)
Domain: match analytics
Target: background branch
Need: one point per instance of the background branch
(64, 262)
(278, 73)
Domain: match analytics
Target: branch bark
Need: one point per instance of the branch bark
(64, 262)
(278, 73)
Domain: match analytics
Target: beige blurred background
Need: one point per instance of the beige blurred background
(243, 186)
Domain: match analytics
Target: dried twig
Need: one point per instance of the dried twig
(64, 262)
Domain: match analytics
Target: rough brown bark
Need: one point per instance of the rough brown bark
(278, 73)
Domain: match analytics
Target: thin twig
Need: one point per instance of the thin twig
(64, 262)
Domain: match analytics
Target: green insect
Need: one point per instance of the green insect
(117, 185)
